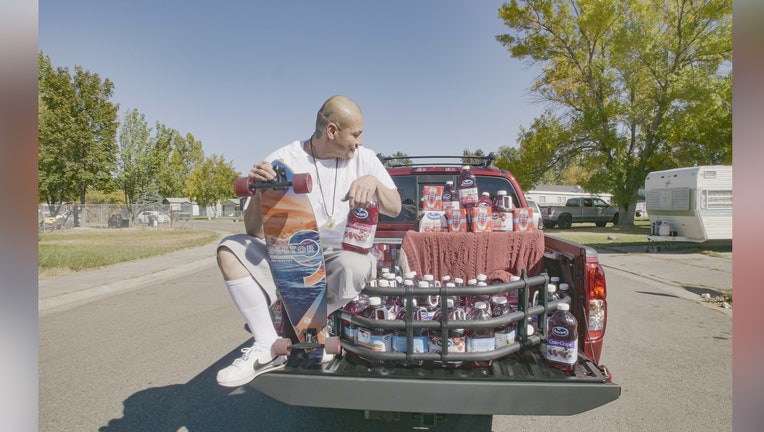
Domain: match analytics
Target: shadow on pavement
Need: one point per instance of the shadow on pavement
(202, 405)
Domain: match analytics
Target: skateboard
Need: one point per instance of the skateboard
(296, 258)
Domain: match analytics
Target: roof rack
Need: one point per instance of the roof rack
(474, 161)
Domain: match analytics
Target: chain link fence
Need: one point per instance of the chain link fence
(106, 216)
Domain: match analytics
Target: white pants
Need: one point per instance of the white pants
(346, 272)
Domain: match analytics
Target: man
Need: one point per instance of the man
(348, 176)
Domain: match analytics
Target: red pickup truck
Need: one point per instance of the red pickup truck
(519, 381)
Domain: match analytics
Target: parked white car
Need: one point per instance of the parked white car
(144, 217)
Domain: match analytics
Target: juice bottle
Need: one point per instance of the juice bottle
(467, 186)
(561, 351)
(502, 212)
(505, 334)
(421, 340)
(454, 340)
(513, 296)
(375, 339)
(361, 228)
(564, 290)
(354, 307)
(432, 301)
(450, 196)
(480, 339)
(551, 296)
(485, 200)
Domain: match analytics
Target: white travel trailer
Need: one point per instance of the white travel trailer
(690, 204)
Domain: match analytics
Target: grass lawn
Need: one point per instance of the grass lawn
(634, 238)
(75, 250)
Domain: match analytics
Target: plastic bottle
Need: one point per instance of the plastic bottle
(450, 196)
(473, 300)
(561, 350)
(480, 339)
(551, 296)
(563, 290)
(432, 301)
(485, 200)
(375, 339)
(556, 281)
(454, 341)
(421, 339)
(354, 307)
(361, 228)
(505, 335)
(467, 186)
(502, 212)
(513, 296)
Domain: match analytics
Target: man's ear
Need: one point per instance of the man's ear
(332, 130)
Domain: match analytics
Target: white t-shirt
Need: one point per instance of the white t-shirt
(327, 193)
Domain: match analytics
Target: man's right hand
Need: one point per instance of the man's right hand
(262, 172)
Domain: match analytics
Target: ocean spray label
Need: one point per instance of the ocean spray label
(561, 351)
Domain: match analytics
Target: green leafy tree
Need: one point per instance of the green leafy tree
(472, 158)
(137, 164)
(210, 181)
(77, 133)
(184, 153)
(399, 159)
(632, 87)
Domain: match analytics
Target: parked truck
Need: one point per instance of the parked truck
(578, 210)
(417, 387)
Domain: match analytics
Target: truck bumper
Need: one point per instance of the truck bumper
(522, 385)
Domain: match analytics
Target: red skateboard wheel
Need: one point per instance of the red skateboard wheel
(302, 183)
(332, 345)
(281, 346)
(241, 187)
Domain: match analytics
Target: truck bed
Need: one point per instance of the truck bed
(517, 382)
(521, 384)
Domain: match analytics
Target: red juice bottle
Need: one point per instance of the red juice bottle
(502, 212)
(480, 339)
(467, 186)
(450, 197)
(361, 228)
(561, 348)
(354, 307)
(485, 200)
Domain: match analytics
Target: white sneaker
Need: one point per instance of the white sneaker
(255, 361)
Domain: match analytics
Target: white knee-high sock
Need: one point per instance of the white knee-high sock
(251, 302)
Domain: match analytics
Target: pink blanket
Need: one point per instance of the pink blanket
(495, 254)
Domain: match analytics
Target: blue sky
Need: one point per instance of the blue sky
(246, 77)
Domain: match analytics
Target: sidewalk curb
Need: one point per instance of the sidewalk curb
(63, 292)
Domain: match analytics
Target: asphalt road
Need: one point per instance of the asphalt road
(144, 358)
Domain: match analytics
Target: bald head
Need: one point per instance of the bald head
(338, 110)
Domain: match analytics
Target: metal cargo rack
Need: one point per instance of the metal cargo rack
(522, 342)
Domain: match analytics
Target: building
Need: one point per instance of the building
(547, 194)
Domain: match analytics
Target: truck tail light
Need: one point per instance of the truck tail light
(596, 310)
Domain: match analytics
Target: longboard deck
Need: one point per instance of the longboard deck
(297, 260)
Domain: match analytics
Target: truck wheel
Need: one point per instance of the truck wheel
(565, 221)
(600, 224)
(615, 219)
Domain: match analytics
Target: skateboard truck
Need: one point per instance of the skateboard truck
(301, 183)
(331, 344)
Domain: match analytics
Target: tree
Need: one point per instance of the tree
(138, 163)
(77, 133)
(184, 153)
(633, 87)
(210, 181)
(399, 158)
(472, 158)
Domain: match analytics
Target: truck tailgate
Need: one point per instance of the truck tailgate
(521, 384)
